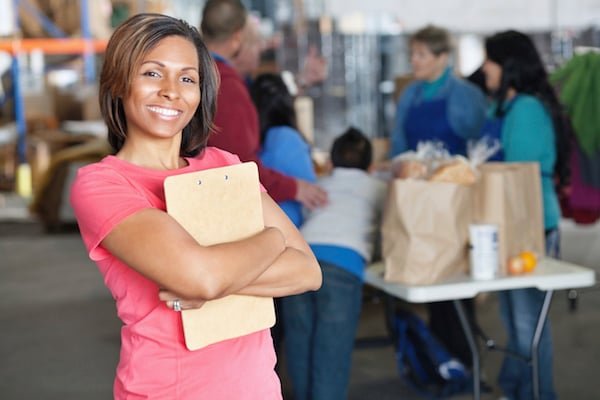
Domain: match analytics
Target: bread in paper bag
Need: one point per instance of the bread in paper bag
(457, 171)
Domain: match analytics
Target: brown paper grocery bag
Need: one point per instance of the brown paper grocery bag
(510, 196)
(425, 231)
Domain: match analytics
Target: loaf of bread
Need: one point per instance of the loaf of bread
(457, 171)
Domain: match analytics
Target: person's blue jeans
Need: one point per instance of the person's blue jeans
(320, 329)
(519, 310)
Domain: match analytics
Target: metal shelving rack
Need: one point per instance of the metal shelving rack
(58, 44)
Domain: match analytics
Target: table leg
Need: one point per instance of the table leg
(535, 344)
(389, 309)
(472, 346)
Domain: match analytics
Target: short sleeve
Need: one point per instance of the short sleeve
(101, 198)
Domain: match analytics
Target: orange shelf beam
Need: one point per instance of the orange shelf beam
(53, 46)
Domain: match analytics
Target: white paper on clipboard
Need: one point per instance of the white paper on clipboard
(215, 206)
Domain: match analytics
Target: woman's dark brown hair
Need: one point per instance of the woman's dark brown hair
(127, 47)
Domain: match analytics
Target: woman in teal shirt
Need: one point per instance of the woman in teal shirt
(529, 122)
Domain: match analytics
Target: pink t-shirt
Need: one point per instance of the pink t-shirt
(154, 362)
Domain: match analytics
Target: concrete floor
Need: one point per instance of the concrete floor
(59, 336)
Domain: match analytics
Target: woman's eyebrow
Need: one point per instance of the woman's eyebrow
(161, 64)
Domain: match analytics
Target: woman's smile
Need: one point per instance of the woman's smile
(164, 112)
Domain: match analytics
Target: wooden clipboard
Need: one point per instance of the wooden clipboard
(215, 206)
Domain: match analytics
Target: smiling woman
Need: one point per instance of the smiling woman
(133, 43)
(157, 93)
(162, 98)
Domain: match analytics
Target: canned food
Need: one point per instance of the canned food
(483, 255)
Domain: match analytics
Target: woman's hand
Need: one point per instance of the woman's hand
(169, 299)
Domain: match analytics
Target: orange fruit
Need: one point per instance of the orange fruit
(529, 260)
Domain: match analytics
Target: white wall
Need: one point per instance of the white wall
(7, 18)
(476, 15)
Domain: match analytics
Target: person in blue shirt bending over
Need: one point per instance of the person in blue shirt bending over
(283, 147)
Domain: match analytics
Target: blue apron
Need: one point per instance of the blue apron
(428, 121)
(492, 130)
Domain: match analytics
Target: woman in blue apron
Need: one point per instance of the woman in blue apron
(528, 120)
(439, 107)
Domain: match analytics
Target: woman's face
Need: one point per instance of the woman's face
(426, 65)
(493, 75)
(165, 90)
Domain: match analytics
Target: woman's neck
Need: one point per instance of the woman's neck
(151, 157)
(431, 88)
(438, 77)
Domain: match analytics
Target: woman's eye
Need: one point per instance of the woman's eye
(152, 74)
(188, 79)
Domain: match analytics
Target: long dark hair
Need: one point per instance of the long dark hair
(128, 45)
(523, 70)
(274, 103)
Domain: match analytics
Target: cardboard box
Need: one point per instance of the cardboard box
(76, 103)
(38, 105)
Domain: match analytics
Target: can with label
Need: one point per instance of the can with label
(483, 255)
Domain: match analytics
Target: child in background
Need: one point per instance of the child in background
(321, 326)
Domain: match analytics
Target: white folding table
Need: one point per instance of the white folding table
(549, 275)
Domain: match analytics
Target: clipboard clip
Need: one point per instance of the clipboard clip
(199, 181)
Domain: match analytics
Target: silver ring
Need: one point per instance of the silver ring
(176, 305)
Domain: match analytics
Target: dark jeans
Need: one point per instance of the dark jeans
(320, 329)
(519, 310)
